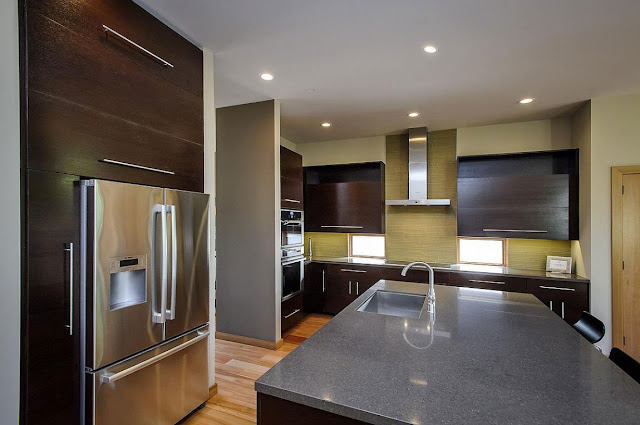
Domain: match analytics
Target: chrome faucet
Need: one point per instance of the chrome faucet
(432, 293)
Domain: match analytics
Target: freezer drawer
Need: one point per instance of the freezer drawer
(157, 387)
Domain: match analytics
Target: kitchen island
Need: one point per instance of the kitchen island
(483, 357)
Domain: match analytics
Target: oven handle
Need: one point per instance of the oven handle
(292, 222)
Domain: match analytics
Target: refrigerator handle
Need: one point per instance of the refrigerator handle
(159, 314)
(171, 312)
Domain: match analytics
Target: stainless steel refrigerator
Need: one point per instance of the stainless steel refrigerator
(145, 303)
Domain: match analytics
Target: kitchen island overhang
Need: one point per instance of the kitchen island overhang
(484, 357)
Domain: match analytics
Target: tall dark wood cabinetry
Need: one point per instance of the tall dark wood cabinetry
(531, 195)
(50, 329)
(345, 198)
(94, 105)
(291, 182)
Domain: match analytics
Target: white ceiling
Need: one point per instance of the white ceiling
(365, 61)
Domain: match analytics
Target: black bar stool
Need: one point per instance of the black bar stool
(589, 327)
(625, 362)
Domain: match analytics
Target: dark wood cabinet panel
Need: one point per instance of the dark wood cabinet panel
(66, 137)
(349, 207)
(276, 411)
(517, 222)
(314, 287)
(487, 281)
(65, 65)
(51, 358)
(291, 194)
(291, 312)
(345, 198)
(532, 195)
(415, 275)
(290, 164)
(543, 191)
(86, 19)
(567, 299)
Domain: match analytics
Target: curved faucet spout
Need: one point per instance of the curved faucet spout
(432, 292)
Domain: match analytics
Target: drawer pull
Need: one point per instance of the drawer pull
(342, 227)
(487, 281)
(297, 310)
(563, 309)
(122, 37)
(515, 230)
(353, 271)
(295, 201)
(141, 167)
(357, 288)
(349, 287)
(555, 288)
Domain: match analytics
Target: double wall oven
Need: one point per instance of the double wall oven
(292, 245)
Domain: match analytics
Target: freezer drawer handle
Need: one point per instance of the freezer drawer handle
(141, 167)
(108, 378)
(108, 30)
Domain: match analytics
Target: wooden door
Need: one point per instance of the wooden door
(51, 356)
(631, 268)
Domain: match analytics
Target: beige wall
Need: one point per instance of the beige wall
(288, 144)
(366, 149)
(615, 141)
(528, 136)
(581, 139)
(9, 215)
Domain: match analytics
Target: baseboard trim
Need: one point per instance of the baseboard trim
(250, 341)
(213, 390)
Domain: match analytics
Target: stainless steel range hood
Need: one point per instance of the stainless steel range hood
(418, 140)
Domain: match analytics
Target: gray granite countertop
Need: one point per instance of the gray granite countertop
(509, 271)
(489, 357)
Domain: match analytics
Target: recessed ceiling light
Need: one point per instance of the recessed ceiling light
(414, 114)
(326, 124)
(430, 48)
(310, 90)
(266, 76)
(526, 100)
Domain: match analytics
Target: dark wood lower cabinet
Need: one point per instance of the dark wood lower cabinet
(276, 411)
(331, 287)
(50, 354)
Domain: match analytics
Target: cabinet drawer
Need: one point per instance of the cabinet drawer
(521, 222)
(86, 19)
(487, 281)
(65, 137)
(67, 66)
(291, 312)
(567, 299)
(291, 194)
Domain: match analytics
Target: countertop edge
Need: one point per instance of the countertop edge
(534, 274)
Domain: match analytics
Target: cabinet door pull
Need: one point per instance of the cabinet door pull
(551, 305)
(342, 227)
(323, 285)
(556, 288)
(562, 309)
(295, 201)
(70, 251)
(353, 271)
(514, 230)
(357, 288)
(141, 167)
(487, 281)
(122, 37)
(297, 310)
(349, 287)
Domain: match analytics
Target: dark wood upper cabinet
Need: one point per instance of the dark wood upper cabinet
(98, 106)
(531, 195)
(345, 198)
(291, 183)
(50, 354)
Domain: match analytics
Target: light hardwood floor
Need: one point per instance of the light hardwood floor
(237, 367)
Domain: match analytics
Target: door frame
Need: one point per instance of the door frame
(617, 311)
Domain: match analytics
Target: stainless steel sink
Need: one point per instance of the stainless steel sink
(394, 304)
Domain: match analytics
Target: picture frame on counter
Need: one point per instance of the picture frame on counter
(559, 264)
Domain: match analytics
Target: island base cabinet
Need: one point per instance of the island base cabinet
(276, 411)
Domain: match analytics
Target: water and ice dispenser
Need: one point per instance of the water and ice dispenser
(128, 281)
